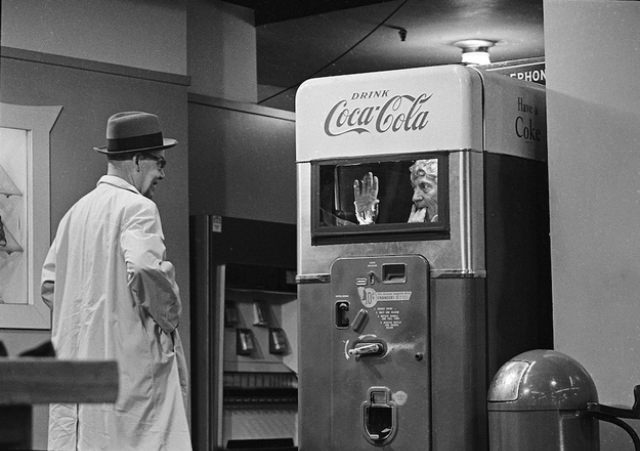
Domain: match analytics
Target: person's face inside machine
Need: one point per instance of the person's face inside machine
(424, 180)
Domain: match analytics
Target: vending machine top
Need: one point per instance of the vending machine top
(450, 107)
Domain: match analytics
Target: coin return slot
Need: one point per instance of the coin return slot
(342, 314)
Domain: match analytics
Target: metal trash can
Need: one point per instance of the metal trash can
(538, 401)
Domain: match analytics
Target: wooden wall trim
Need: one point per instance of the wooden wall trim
(93, 66)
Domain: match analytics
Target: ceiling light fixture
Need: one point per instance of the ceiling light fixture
(475, 51)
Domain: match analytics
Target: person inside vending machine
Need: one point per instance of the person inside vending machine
(424, 182)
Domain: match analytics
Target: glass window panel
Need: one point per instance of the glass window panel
(14, 193)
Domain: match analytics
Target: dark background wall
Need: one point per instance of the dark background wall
(242, 160)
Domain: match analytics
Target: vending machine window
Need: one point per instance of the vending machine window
(394, 198)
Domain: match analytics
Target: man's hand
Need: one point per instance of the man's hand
(417, 214)
(365, 195)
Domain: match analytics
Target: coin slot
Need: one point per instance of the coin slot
(394, 273)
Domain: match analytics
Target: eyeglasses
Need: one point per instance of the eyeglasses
(160, 160)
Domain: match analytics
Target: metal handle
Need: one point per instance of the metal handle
(619, 412)
(362, 349)
(613, 414)
(313, 278)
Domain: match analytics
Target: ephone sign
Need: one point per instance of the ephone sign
(532, 71)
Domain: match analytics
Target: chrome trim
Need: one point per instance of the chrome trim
(313, 278)
(466, 244)
(218, 375)
(457, 274)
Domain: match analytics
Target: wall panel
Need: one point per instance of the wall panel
(89, 94)
(593, 93)
(242, 160)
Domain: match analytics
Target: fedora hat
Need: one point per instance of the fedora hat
(134, 131)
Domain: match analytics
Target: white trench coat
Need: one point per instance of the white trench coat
(114, 296)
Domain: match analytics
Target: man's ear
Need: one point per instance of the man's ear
(136, 161)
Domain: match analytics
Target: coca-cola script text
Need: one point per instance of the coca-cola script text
(399, 113)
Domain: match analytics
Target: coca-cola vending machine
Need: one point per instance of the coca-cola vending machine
(423, 253)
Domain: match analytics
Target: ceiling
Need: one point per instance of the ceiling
(302, 39)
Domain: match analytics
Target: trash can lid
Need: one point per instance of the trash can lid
(541, 380)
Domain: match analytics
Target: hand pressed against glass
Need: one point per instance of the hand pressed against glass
(365, 196)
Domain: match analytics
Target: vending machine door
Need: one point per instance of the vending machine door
(380, 392)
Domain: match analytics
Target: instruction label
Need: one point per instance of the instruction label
(389, 317)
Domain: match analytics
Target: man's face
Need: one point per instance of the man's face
(151, 166)
(425, 192)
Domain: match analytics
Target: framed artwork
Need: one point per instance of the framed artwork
(24, 213)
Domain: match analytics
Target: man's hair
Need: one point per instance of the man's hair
(423, 168)
(121, 156)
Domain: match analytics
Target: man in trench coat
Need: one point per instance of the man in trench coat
(114, 296)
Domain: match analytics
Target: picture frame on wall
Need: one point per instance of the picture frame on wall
(24, 213)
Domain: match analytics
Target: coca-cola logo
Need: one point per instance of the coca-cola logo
(396, 114)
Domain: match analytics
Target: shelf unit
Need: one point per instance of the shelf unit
(245, 302)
